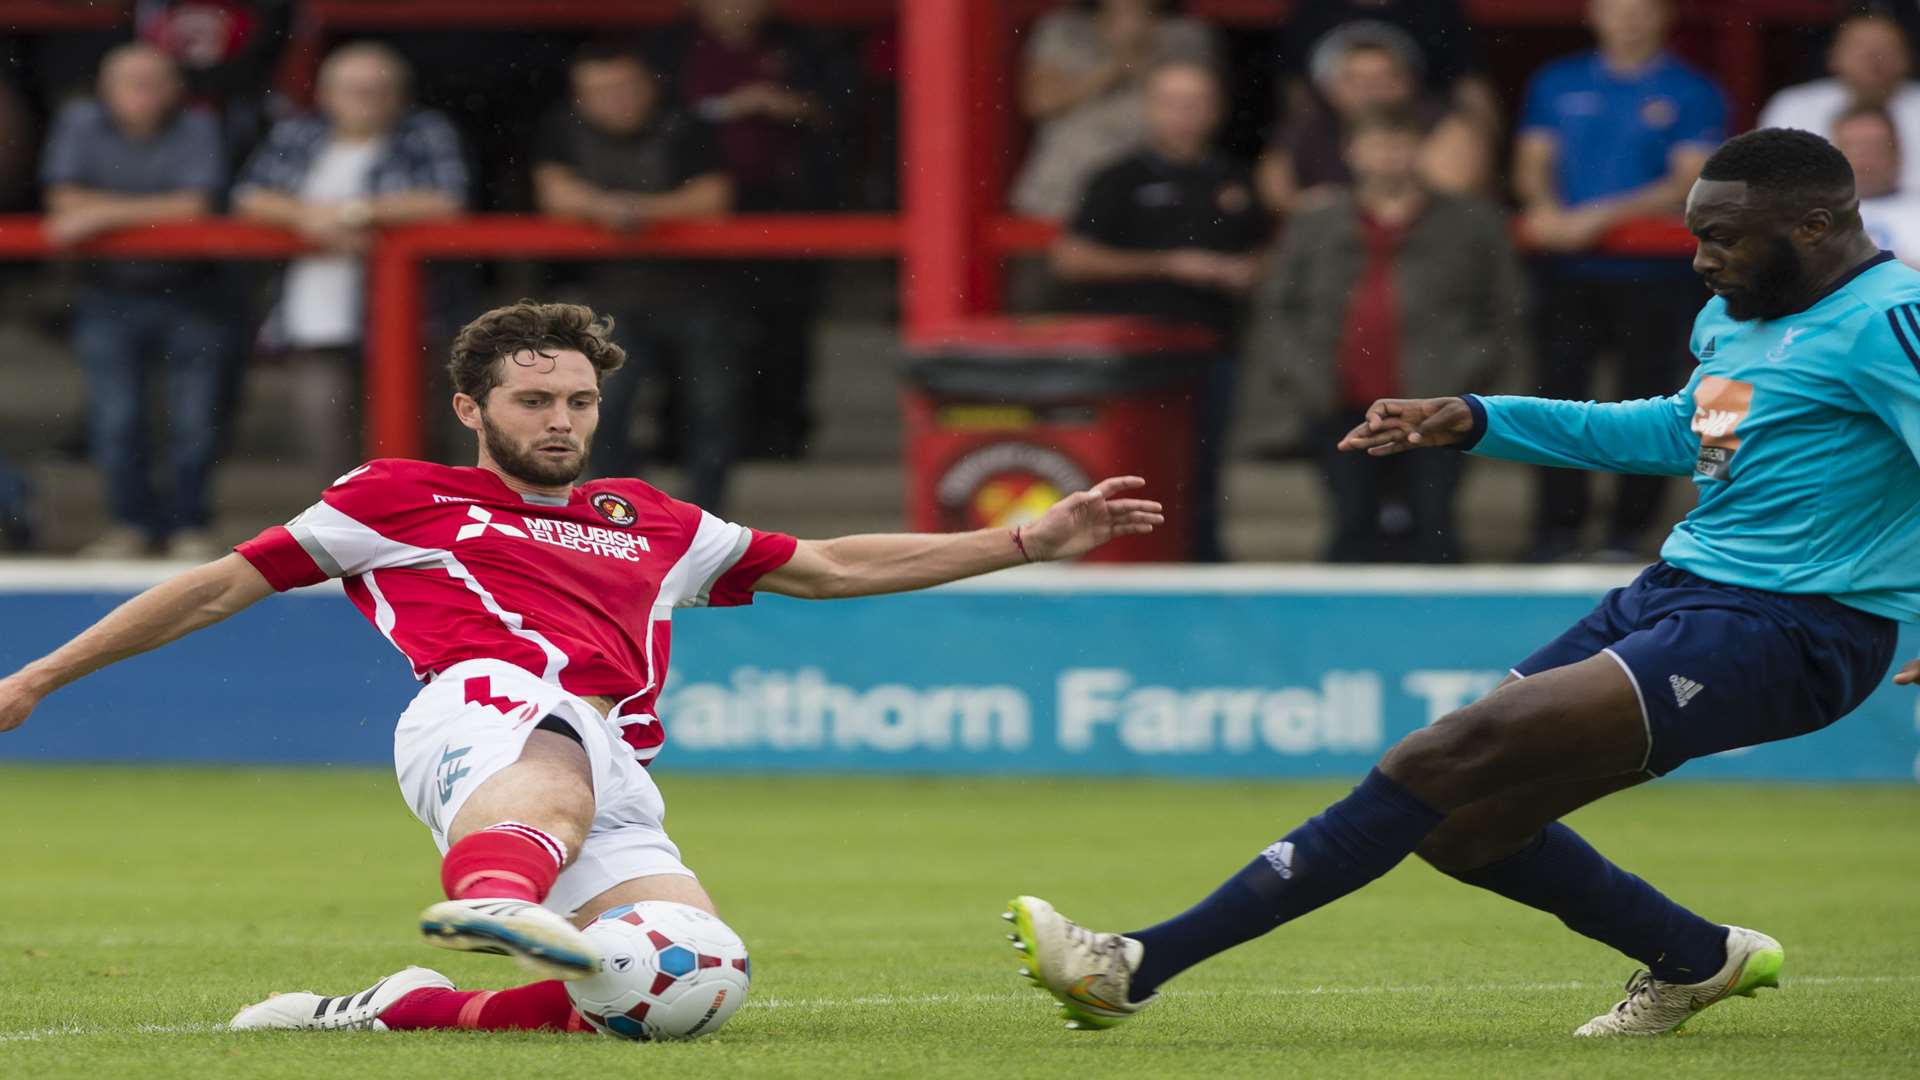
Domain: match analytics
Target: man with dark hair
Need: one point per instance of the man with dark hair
(1357, 68)
(1774, 612)
(1174, 232)
(621, 157)
(1454, 66)
(537, 610)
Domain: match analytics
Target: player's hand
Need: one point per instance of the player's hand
(1909, 674)
(1086, 519)
(1396, 425)
(16, 702)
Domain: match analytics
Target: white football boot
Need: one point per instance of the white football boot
(539, 940)
(1653, 1007)
(356, 1011)
(1088, 972)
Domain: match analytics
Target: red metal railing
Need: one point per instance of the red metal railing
(951, 236)
(396, 355)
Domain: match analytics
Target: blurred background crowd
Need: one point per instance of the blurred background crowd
(1357, 198)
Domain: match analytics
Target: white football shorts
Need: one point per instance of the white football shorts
(473, 720)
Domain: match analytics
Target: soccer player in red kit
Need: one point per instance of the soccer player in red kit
(538, 612)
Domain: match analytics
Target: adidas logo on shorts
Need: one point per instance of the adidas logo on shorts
(1683, 689)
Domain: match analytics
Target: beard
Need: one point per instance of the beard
(1778, 285)
(524, 462)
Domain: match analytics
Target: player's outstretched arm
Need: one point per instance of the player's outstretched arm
(1650, 437)
(172, 609)
(870, 565)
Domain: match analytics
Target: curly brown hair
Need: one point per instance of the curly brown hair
(497, 336)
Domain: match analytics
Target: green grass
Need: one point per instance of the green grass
(140, 907)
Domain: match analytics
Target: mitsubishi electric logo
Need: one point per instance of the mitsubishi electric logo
(482, 521)
(571, 535)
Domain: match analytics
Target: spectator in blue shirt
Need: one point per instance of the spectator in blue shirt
(1606, 136)
(130, 157)
(366, 159)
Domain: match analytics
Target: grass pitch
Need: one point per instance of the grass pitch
(139, 908)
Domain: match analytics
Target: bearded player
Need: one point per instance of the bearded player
(538, 613)
(1772, 613)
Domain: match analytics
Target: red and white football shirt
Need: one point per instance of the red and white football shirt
(451, 565)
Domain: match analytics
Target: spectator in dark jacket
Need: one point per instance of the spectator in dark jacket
(1389, 290)
(622, 157)
(1174, 232)
(769, 88)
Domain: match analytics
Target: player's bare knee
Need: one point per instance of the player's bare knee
(1466, 844)
(1450, 752)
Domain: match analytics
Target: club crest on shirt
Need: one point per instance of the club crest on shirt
(615, 509)
(1779, 352)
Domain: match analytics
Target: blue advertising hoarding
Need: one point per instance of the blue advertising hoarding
(1241, 672)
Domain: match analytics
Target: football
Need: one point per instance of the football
(667, 971)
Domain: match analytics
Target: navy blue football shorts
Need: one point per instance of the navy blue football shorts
(1719, 667)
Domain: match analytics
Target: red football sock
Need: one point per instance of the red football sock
(508, 861)
(536, 1006)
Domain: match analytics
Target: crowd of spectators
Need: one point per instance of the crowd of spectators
(1364, 249)
(1394, 271)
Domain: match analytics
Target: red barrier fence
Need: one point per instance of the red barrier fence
(396, 353)
(951, 237)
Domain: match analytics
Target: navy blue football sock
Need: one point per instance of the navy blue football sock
(1338, 850)
(1563, 875)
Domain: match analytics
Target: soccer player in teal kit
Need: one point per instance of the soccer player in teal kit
(1773, 612)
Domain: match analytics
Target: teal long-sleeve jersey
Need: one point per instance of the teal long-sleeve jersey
(1802, 435)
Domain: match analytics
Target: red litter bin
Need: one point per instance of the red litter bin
(1005, 416)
